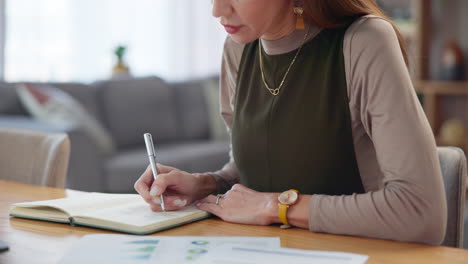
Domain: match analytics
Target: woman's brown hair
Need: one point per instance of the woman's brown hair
(335, 13)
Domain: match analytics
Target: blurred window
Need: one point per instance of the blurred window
(2, 36)
(74, 40)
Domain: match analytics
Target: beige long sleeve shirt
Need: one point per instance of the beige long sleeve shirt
(394, 145)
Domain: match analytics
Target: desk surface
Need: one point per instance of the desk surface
(33, 241)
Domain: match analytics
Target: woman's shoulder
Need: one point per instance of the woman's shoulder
(370, 44)
(370, 29)
(232, 52)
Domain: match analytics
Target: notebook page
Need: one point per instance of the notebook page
(86, 203)
(135, 213)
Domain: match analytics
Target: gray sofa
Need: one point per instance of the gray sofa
(177, 115)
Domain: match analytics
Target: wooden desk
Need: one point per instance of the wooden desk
(44, 242)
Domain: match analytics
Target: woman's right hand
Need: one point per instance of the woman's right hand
(180, 188)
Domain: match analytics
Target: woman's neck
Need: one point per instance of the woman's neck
(281, 31)
(288, 42)
(283, 25)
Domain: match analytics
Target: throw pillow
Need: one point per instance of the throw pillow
(54, 106)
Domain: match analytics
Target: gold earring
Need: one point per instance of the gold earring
(298, 11)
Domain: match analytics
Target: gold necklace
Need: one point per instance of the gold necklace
(276, 91)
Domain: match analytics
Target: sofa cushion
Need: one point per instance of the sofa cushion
(192, 110)
(9, 101)
(125, 168)
(85, 94)
(56, 107)
(133, 107)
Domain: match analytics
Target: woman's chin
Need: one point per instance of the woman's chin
(242, 39)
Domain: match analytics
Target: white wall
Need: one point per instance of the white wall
(2, 37)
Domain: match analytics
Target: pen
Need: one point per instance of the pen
(152, 158)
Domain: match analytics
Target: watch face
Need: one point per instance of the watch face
(288, 197)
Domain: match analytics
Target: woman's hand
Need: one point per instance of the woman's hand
(180, 188)
(243, 205)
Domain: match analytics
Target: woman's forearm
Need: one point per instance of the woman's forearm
(206, 185)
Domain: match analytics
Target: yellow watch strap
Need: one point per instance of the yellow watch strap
(283, 212)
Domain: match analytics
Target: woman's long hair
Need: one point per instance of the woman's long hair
(335, 13)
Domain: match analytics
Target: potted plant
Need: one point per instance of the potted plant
(120, 70)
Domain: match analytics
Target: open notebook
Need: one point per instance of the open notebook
(127, 213)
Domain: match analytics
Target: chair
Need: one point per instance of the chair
(453, 165)
(34, 157)
(465, 238)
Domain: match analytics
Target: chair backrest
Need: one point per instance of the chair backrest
(34, 157)
(453, 165)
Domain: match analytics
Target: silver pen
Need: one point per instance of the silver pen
(152, 158)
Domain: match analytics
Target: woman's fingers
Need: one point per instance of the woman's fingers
(178, 187)
(164, 168)
(143, 191)
(161, 182)
(172, 203)
(175, 201)
(235, 188)
(241, 188)
(212, 204)
(150, 189)
(209, 199)
(239, 205)
(210, 208)
(143, 183)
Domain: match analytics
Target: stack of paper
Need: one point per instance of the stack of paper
(235, 254)
(120, 249)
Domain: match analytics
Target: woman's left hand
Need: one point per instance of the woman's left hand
(242, 205)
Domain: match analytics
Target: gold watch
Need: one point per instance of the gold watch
(286, 199)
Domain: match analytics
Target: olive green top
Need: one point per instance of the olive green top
(301, 138)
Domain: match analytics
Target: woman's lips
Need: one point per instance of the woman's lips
(232, 29)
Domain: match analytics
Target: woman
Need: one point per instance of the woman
(326, 108)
